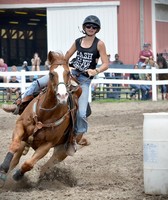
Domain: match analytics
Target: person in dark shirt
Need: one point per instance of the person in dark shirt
(25, 67)
(135, 87)
(117, 75)
(145, 89)
(11, 91)
(117, 61)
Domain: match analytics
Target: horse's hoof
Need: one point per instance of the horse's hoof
(18, 175)
(3, 177)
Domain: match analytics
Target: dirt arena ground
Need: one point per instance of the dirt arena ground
(110, 168)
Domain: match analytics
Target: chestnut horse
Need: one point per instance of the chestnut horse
(47, 122)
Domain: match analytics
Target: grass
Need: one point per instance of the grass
(114, 100)
(10, 102)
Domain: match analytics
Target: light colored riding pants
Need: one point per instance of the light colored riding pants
(36, 86)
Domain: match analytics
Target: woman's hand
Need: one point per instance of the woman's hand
(92, 72)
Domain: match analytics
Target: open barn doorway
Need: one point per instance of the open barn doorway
(23, 32)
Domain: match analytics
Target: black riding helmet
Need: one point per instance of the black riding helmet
(92, 19)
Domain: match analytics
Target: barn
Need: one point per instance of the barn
(36, 26)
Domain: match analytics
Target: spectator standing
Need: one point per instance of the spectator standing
(36, 62)
(35, 65)
(117, 61)
(135, 88)
(145, 55)
(3, 68)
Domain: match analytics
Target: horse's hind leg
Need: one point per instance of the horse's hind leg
(59, 154)
(29, 164)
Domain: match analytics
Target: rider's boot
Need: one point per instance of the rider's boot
(15, 108)
(82, 140)
(11, 108)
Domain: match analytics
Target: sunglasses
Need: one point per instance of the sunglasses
(89, 26)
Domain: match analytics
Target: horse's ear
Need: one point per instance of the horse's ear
(50, 56)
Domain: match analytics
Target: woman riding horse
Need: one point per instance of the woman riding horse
(89, 49)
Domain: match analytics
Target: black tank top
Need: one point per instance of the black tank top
(86, 57)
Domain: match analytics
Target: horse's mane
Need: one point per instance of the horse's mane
(161, 59)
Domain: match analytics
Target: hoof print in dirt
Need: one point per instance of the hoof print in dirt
(64, 176)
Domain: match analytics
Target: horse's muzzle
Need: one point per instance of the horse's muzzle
(62, 98)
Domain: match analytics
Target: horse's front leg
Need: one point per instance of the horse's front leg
(29, 164)
(17, 156)
(13, 148)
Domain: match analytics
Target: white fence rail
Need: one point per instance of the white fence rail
(154, 82)
(23, 85)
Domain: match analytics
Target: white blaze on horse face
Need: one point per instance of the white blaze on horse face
(62, 94)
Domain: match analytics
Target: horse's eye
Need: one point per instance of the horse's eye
(51, 75)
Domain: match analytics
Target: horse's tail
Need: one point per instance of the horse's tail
(28, 144)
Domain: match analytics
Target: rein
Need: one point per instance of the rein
(45, 109)
(78, 84)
